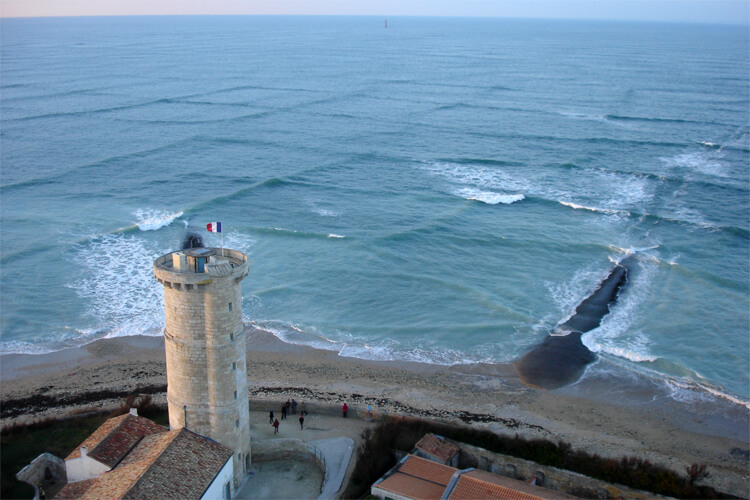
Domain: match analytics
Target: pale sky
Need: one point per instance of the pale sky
(712, 11)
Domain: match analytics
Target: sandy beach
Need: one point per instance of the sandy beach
(599, 414)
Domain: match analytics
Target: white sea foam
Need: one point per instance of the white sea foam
(297, 334)
(636, 349)
(489, 197)
(21, 347)
(595, 118)
(611, 193)
(703, 162)
(609, 211)
(326, 213)
(332, 235)
(348, 345)
(690, 391)
(118, 287)
(568, 295)
(322, 208)
(615, 335)
(153, 219)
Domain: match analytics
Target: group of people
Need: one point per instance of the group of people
(288, 408)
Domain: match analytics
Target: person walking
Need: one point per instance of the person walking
(276, 426)
(270, 416)
(294, 407)
(302, 410)
(283, 411)
(301, 422)
(344, 409)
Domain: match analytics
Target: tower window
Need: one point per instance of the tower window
(234, 366)
(237, 424)
(230, 307)
(231, 337)
(235, 395)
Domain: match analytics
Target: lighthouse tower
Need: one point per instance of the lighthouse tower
(205, 345)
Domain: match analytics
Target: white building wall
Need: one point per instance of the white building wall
(216, 490)
(83, 467)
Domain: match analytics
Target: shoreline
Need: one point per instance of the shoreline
(600, 413)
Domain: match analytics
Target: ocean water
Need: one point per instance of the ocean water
(443, 190)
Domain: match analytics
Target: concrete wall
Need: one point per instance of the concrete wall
(551, 477)
(205, 352)
(84, 467)
(46, 473)
(283, 449)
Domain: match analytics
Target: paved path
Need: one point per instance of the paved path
(337, 453)
(335, 437)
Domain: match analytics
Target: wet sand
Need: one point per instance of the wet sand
(602, 413)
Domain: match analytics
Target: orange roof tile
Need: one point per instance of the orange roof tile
(477, 483)
(412, 487)
(427, 470)
(437, 447)
(418, 478)
(469, 488)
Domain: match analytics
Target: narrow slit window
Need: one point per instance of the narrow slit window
(230, 307)
(235, 394)
(234, 366)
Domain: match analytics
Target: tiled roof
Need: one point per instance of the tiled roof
(185, 469)
(474, 484)
(175, 464)
(427, 469)
(437, 447)
(469, 488)
(411, 487)
(75, 490)
(418, 478)
(116, 437)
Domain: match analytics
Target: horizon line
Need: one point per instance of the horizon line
(739, 22)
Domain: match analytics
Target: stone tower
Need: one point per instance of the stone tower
(205, 345)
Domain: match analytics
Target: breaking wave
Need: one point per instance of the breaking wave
(153, 219)
(489, 197)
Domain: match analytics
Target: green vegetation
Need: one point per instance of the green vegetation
(375, 457)
(20, 444)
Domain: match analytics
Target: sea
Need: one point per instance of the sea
(442, 190)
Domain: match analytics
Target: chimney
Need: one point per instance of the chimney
(134, 412)
(84, 451)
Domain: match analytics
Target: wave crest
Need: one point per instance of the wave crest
(489, 197)
(152, 219)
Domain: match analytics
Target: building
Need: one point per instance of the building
(107, 446)
(416, 478)
(205, 347)
(132, 457)
(437, 449)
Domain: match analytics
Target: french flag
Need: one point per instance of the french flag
(214, 227)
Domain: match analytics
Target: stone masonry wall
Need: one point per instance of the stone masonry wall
(206, 361)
